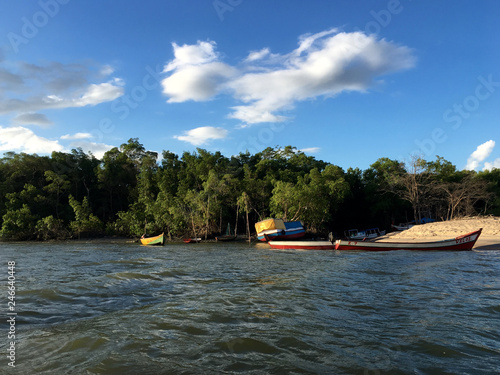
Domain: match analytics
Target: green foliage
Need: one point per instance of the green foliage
(129, 192)
(50, 228)
(18, 224)
(85, 223)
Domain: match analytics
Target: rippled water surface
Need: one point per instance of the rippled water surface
(90, 308)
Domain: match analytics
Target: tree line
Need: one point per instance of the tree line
(130, 192)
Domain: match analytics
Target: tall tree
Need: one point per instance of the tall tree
(57, 186)
(85, 223)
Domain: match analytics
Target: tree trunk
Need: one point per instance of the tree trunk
(236, 224)
(248, 226)
(208, 218)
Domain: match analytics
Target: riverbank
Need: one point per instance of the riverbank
(489, 239)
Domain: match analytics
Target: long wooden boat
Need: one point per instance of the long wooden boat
(302, 245)
(463, 242)
(156, 240)
(277, 229)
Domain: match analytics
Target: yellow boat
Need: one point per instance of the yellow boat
(157, 240)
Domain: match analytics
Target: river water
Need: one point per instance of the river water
(225, 308)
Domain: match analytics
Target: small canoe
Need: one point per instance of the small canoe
(192, 240)
(228, 236)
(225, 238)
(157, 240)
(302, 245)
(463, 242)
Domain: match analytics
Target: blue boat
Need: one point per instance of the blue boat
(277, 229)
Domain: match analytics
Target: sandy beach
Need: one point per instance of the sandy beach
(489, 239)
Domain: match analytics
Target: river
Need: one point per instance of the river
(224, 308)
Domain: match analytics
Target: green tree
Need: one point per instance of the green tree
(287, 200)
(85, 223)
(244, 202)
(195, 211)
(492, 178)
(57, 186)
(18, 224)
(51, 228)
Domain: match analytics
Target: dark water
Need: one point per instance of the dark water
(88, 308)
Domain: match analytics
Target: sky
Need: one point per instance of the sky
(347, 82)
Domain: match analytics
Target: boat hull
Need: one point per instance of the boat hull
(274, 235)
(302, 245)
(157, 240)
(225, 238)
(464, 242)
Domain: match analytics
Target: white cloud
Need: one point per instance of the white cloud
(196, 82)
(186, 55)
(310, 150)
(324, 64)
(27, 88)
(20, 139)
(77, 136)
(107, 70)
(32, 119)
(480, 154)
(489, 166)
(258, 55)
(97, 149)
(202, 135)
(196, 73)
(98, 93)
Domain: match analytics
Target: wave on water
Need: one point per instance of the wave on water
(112, 308)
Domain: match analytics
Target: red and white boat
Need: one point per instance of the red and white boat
(302, 245)
(464, 242)
(192, 240)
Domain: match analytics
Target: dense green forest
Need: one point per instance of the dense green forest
(130, 192)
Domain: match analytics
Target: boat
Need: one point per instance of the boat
(192, 240)
(227, 236)
(463, 242)
(354, 234)
(401, 227)
(277, 229)
(302, 245)
(156, 240)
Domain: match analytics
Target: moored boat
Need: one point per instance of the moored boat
(401, 227)
(354, 234)
(277, 229)
(228, 236)
(302, 245)
(192, 240)
(463, 242)
(156, 240)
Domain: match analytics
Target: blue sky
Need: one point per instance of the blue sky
(345, 81)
